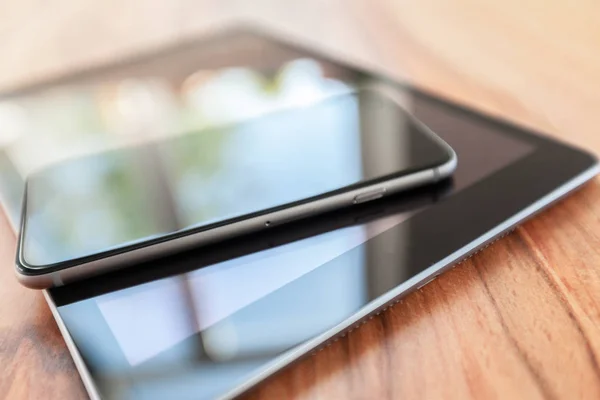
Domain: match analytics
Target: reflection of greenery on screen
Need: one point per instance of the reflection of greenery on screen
(112, 209)
(195, 157)
(133, 199)
(122, 187)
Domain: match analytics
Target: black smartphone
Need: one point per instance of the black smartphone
(325, 142)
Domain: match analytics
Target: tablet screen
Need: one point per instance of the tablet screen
(221, 324)
(220, 290)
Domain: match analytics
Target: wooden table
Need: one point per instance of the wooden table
(519, 320)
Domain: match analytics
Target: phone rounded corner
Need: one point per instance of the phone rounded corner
(30, 277)
(38, 282)
(449, 167)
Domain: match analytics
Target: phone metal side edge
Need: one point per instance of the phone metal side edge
(125, 259)
(372, 308)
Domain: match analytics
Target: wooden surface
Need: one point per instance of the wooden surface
(519, 320)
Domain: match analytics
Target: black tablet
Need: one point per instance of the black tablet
(214, 323)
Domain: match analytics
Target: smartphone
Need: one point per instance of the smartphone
(155, 199)
(170, 195)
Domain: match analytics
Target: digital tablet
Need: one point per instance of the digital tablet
(216, 323)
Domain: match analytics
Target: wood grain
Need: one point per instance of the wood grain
(519, 320)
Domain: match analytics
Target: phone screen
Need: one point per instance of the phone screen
(103, 201)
